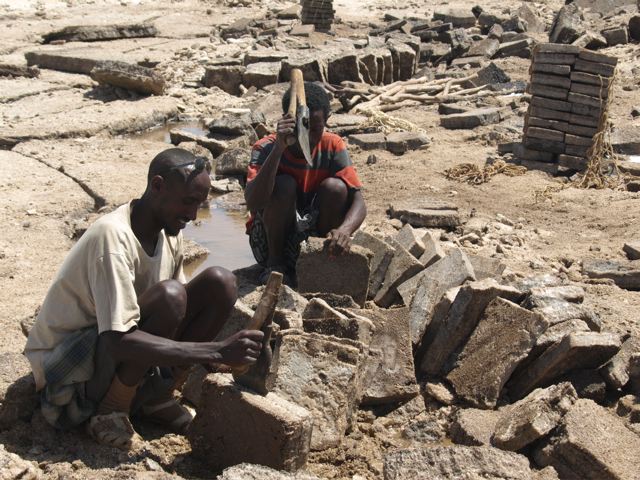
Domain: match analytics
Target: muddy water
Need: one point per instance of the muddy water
(222, 232)
(162, 134)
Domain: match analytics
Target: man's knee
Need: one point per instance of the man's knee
(333, 188)
(173, 296)
(167, 304)
(223, 282)
(285, 189)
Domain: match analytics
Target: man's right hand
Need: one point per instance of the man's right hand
(286, 127)
(242, 348)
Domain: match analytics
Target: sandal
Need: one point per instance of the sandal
(114, 430)
(170, 414)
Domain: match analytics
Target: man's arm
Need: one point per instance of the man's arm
(340, 238)
(258, 191)
(240, 349)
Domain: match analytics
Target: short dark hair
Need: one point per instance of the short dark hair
(163, 163)
(317, 99)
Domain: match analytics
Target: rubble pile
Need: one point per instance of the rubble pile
(392, 52)
(590, 24)
(511, 362)
(570, 89)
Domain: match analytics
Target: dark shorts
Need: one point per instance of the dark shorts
(305, 226)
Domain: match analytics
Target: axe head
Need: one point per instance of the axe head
(302, 128)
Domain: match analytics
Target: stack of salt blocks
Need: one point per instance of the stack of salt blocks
(569, 89)
(319, 13)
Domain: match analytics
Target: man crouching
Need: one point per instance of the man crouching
(120, 327)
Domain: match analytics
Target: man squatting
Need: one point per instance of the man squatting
(290, 200)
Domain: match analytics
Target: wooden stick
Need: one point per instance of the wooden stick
(447, 87)
(265, 310)
(448, 99)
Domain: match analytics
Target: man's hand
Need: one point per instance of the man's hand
(242, 348)
(339, 242)
(286, 127)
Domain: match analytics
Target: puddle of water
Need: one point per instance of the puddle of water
(222, 232)
(161, 134)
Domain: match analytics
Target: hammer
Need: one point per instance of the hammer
(256, 376)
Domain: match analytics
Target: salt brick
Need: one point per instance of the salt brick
(532, 155)
(584, 100)
(474, 61)
(576, 140)
(549, 92)
(616, 36)
(550, 168)
(557, 48)
(581, 350)
(576, 150)
(545, 123)
(590, 90)
(586, 110)
(322, 374)
(554, 58)
(595, 68)
(598, 57)
(549, 114)
(551, 68)
(544, 145)
(583, 131)
(545, 134)
(562, 126)
(551, 104)
(581, 77)
(519, 48)
(590, 40)
(277, 435)
(552, 80)
(571, 162)
(584, 121)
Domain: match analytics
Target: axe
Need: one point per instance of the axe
(300, 111)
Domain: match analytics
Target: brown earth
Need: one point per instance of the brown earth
(51, 185)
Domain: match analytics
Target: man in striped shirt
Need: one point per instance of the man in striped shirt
(290, 199)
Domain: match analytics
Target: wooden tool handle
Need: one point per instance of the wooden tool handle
(299, 89)
(265, 310)
(296, 79)
(267, 304)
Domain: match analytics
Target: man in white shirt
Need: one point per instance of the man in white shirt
(119, 323)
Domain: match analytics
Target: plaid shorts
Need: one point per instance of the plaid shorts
(305, 226)
(79, 373)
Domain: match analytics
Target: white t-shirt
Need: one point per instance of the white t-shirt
(99, 283)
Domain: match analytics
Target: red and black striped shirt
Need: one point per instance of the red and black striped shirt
(330, 159)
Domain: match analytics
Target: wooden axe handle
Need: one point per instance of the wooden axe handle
(297, 82)
(299, 89)
(265, 310)
(267, 305)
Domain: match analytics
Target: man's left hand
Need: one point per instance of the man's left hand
(339, 242)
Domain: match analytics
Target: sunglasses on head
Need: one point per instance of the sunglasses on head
(197, 165)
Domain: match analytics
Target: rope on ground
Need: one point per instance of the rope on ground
(602, 167)
(387, 124)
(474, 175)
